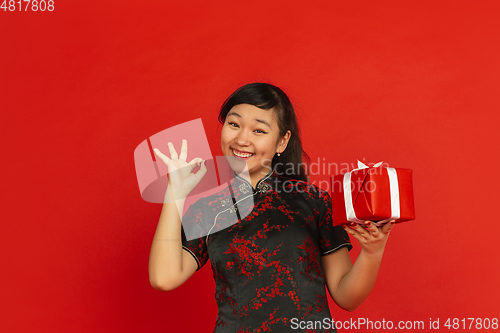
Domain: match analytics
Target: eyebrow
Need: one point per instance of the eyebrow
(262, 121)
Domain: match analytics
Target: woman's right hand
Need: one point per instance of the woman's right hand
(181, 181)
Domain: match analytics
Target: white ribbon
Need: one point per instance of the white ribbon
(394, 189)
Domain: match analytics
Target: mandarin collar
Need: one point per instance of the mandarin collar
(245, 187)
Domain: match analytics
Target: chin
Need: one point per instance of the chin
(238, 165)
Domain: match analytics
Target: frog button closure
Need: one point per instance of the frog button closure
(263, 188)
(244, 188)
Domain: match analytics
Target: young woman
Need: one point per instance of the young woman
(269, 236)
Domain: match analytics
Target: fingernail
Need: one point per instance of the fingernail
(367, 222)
(353, 224)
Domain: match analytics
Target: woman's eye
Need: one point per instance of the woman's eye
(233, 124)
(260, 131)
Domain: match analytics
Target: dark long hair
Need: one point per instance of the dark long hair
(267, 96)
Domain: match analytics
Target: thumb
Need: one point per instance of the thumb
(201, 173)
(194, 163)
(386, 229)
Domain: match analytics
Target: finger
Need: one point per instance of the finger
(195, 162)
(386, 228)
(184, 150)
(353, 232)
(372, 228)
(161, 155)
(173, 153)
(202, 172)
(358, 229)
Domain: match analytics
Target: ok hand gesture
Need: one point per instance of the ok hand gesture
(181, 180)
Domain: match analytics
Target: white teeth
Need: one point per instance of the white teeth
(241, 154)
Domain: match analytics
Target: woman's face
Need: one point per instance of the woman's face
(249, 137)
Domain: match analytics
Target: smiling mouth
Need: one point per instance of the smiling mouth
(241, 154)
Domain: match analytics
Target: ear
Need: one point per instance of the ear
(283, 142)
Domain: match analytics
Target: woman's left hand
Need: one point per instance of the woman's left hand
(371, 238)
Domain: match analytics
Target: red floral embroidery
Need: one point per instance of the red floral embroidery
(267, 266)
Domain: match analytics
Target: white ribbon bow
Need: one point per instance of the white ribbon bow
(394, 189)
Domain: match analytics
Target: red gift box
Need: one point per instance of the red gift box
(375, 193)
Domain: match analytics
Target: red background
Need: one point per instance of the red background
(412, 83)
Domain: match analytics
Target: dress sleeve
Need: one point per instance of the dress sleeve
(331, 238)
(194, 234)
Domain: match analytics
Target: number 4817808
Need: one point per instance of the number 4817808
(28, 5)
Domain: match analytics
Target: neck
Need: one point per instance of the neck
(254, 177)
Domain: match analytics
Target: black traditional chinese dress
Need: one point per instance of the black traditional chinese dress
(264, 245)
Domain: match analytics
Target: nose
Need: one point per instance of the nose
(242, 139)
